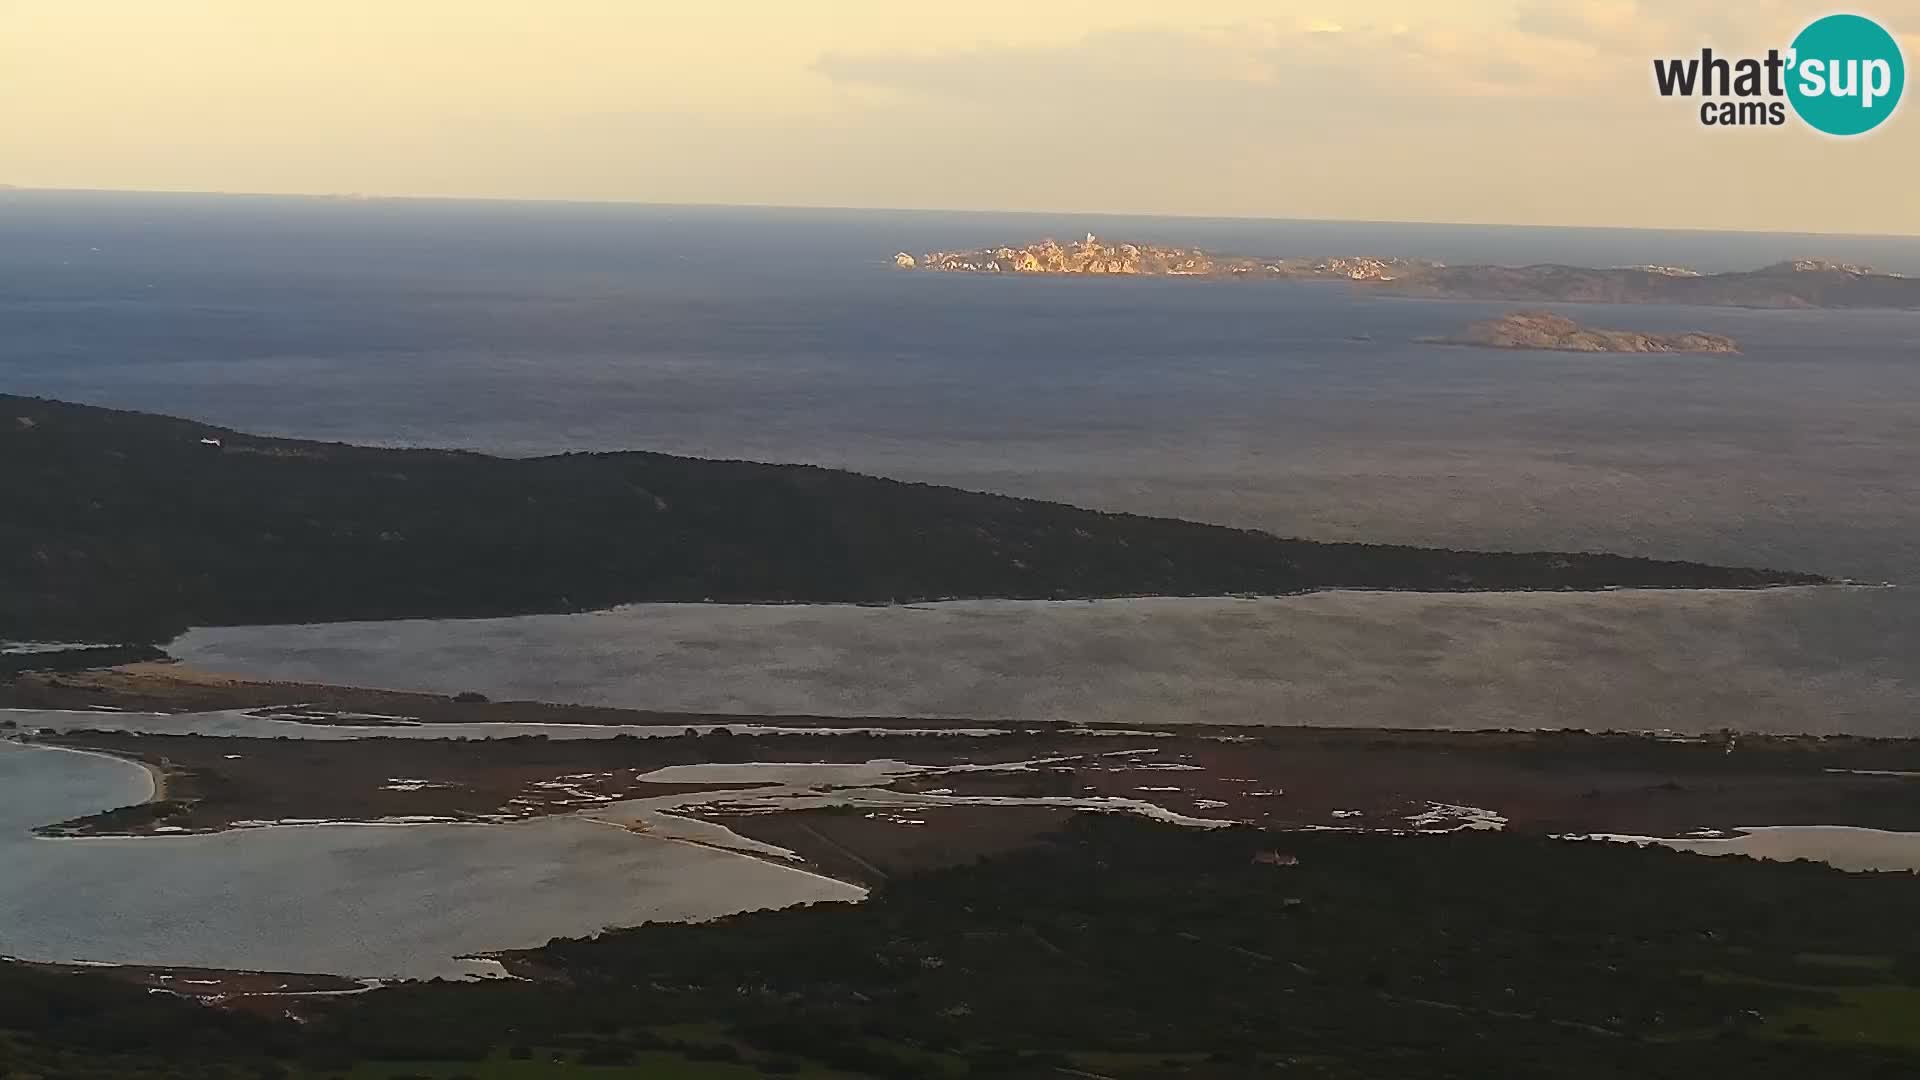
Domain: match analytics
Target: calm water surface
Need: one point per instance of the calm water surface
(377, 901)
(784, 335)
(1842, 846)
(1307, 410)
(1788, 660)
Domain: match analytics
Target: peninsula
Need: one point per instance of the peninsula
(1794, 283)
(1548, 331)
(130, 527)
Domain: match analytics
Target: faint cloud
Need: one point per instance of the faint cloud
(1541, 112)
(1648, 27)
(1339, 61)
(1544, 48)
(1600, 24)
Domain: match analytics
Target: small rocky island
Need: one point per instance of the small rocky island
(1546, 330)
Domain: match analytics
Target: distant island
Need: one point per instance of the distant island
(1093, 256)
(1794, 283)
(1546, 330)
(130, 527)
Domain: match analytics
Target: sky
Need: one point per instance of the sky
(1511, 111)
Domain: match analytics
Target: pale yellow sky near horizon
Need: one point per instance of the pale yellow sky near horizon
(1522, 111)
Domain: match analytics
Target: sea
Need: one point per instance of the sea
(1308, 410)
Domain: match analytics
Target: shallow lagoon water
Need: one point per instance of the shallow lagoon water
(1823, 660)
(376, 901)
(1842, 846)
(783, 336)
(1303, 410)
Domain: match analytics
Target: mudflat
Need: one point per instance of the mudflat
(936, 779)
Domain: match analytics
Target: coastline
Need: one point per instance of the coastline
(156, 777)
(159, 777)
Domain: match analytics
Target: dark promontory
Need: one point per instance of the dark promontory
(129, 526)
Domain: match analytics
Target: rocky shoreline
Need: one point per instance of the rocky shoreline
(1094, 256)
(1544, 330)
(1791, 283)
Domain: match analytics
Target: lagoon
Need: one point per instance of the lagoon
(1845, 847)
(361, 900)
(1813, 660)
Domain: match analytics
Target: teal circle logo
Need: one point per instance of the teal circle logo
(1846, 75)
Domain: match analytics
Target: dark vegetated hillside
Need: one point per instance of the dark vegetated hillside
(1143, 951)
(1779, 286)
(1465, 956)
(1127, 935)
(127, 525)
